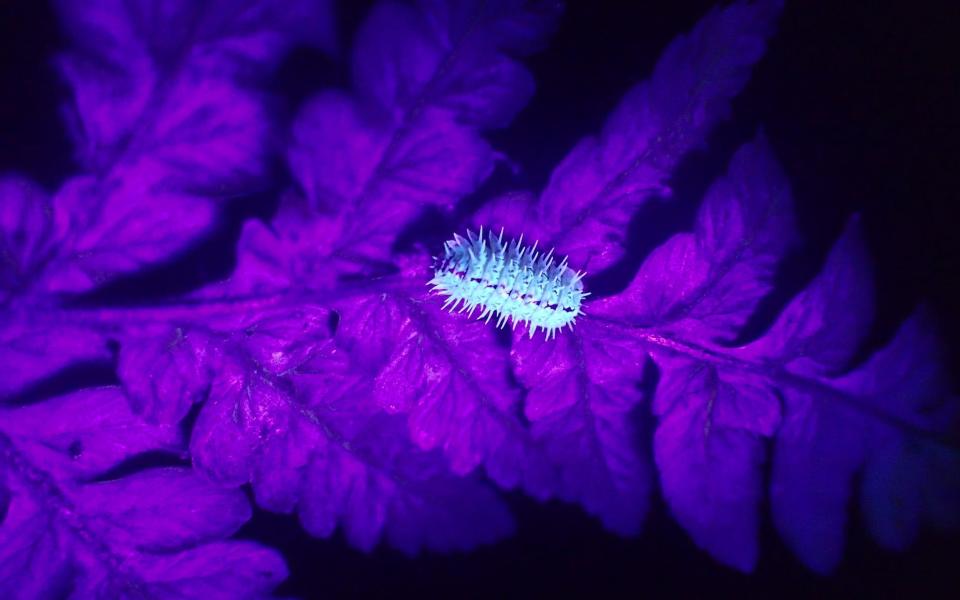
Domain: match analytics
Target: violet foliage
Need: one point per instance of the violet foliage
(327, 378)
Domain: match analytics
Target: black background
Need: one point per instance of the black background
(860, 103)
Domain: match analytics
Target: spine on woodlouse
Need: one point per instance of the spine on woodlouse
(514, 282)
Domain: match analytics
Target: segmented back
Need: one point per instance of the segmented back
(514, 282)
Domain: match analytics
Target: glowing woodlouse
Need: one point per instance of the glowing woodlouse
(512, 281)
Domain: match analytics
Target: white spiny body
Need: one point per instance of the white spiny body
(509, 280)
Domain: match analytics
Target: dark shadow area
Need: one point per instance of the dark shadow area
(141, 462)
(69, 379)
(33, 138)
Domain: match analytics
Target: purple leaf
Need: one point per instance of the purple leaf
(428, 79)
(56, 540)
(336, 459)
(706, 284)
(154, 81)
(164, 372)
(909, 484)
(30, 547)
(906, 379)
(710, 452)
(820, 444)
(216, 570)
(242, 412)
(581, 397)
(879, 418)
(452, 56)
(68, 527)
(30, 353)
(445, 373)
(378, 485)
(280, 342)
(109, 230)
(514, 212)
(904, 486)
(84, 433)
(162, 125)
(26, 234)
(377, 164)
(127, 510)
(817, 452)
(808, 336)
(89, 232)
(284, 254)
(4, 500)
(376, 174)
(595, 190)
